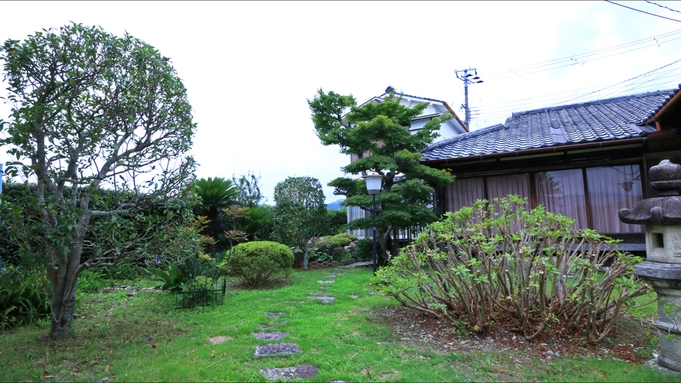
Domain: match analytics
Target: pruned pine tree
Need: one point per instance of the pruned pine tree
(376, 135)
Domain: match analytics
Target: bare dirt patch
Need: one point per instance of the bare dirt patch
(629, 341)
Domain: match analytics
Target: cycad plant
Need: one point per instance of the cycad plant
(214, 195)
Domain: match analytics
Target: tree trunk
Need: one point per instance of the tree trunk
(394, 248)
(306, 254)
(384, 242)
(213, 230)
(63, 309)
(63, 278)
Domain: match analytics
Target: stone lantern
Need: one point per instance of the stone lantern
(662, 269)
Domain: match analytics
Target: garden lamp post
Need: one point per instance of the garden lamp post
(373, 183)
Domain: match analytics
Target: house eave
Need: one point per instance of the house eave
(659, 116)
(526, 154)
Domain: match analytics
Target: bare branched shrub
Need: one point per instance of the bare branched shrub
(499, 263)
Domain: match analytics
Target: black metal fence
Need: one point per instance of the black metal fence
(201, 297)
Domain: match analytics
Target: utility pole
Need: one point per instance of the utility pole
(467, 78)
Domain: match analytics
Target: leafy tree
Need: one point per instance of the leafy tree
(249, 190)
(92, 110)
(337, 220)
(215, 194)
(257, 219)
(299, 213)
(376, 135)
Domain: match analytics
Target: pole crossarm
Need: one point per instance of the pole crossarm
(467, 78)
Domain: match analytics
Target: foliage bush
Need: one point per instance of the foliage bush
(193, 273)
(91, 280)
(94, 279)
(173, 278)
(338, 240)
(496, 263)
(324, 247)
(336, 221)
(363, 250)
(17, 196)
(23, 297)
(127, 271)
(260, 263)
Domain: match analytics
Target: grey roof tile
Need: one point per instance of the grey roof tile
(601, 120)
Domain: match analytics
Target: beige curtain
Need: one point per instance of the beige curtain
(562, 192)
(610, 189)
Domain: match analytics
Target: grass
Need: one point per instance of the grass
(144, 338)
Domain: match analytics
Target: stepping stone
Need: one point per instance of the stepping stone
(264, 326)
(275, 315)
(353, 296)
(325, 282)
(270, 335)
(290, 373)
(324, 300)
(358, 264)
(276, 349)
(219, 339)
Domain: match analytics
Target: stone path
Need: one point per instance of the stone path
(270, 335)
(357, 264)
(276, 349)
(289, 373)
(265, 326)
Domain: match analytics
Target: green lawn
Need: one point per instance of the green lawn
(144, 338)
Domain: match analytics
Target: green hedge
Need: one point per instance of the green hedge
(260, 263)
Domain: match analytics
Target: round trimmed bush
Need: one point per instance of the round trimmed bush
(260, 263)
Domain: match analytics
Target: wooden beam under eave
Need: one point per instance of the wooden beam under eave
(659, 115)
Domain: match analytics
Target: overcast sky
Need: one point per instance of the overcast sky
(250, 67)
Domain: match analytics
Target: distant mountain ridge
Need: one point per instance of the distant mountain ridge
(336, 205)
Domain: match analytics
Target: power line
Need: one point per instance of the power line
(661, 80)
(647, 13)
(657, 40)
(582, 58)
(560, 97)
(662, 6)
(505, 109)
(621, 82)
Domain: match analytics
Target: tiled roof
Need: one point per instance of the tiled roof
(400, 94)
(391, 89)
(601, 120)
